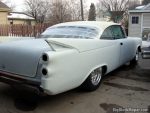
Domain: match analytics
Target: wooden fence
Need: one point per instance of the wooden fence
(19, 30)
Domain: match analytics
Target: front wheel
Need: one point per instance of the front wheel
(93, 81)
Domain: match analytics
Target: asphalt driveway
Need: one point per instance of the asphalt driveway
(127, 87)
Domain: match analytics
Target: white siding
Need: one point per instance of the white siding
(135, 29)
(146, 20)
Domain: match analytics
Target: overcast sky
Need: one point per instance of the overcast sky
(19, 4)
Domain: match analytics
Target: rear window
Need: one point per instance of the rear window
(70, 32)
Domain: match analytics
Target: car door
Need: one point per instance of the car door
(124, 42)
(115, 47)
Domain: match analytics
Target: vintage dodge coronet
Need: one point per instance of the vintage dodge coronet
(68, 55)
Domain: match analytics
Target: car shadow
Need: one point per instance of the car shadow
(28, 100)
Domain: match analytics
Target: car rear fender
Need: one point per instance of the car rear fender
(104, 69)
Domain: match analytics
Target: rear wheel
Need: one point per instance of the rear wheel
(93, 81)
(136, 58)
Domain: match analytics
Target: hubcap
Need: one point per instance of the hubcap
(96, 76)
(137, 56)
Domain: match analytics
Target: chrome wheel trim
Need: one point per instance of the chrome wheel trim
(137, 56)
(96, 76)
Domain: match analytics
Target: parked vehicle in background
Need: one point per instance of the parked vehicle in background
(68, 55)
(146, 48)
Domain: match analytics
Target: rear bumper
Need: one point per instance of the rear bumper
(146, 54)
(13, 79)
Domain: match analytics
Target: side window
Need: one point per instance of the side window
(118, 32)
(107, 34)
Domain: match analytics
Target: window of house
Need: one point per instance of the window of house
(135, 19)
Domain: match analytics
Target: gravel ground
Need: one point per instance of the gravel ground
(127, 87)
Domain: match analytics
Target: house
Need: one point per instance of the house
(4, 10)
(20, 18)
(139, 21)
(8, 17)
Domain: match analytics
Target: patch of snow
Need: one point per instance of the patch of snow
(140, 7)
(19, 16)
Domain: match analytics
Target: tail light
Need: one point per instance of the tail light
(45, 57)
(44, 71)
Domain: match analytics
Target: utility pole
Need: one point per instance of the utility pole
(82, 13)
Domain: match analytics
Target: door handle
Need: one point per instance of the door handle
(121, 43)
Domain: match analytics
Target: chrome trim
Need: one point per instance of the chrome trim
(18, 78)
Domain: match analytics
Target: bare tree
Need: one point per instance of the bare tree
(133, 4)
(38, 9)
(66, 10)
(60, 11)
(54, 11)
(75, 10)
(116, 8)
(115, 5)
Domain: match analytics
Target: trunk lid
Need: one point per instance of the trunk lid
(22, 57)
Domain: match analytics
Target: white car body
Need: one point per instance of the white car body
(69, 61)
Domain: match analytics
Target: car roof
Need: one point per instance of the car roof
(102, 25)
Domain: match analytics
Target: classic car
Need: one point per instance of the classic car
(67, 56)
